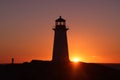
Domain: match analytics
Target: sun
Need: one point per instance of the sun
(75, 59)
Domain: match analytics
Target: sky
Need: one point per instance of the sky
(26, 29)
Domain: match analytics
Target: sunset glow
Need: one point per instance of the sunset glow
(26, 29)
(76, 59)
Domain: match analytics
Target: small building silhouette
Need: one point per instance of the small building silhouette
(60, 47)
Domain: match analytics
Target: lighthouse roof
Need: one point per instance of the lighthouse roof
(60, 19)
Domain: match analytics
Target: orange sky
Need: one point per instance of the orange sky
(26, 29)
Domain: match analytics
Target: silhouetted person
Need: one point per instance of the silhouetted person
(12, 60)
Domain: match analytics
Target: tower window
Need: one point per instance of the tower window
(60, 23)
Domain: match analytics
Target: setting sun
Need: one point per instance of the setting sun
(76, 59)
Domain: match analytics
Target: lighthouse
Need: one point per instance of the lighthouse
(60, 46)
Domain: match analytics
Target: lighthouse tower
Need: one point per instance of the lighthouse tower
(60, 47)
